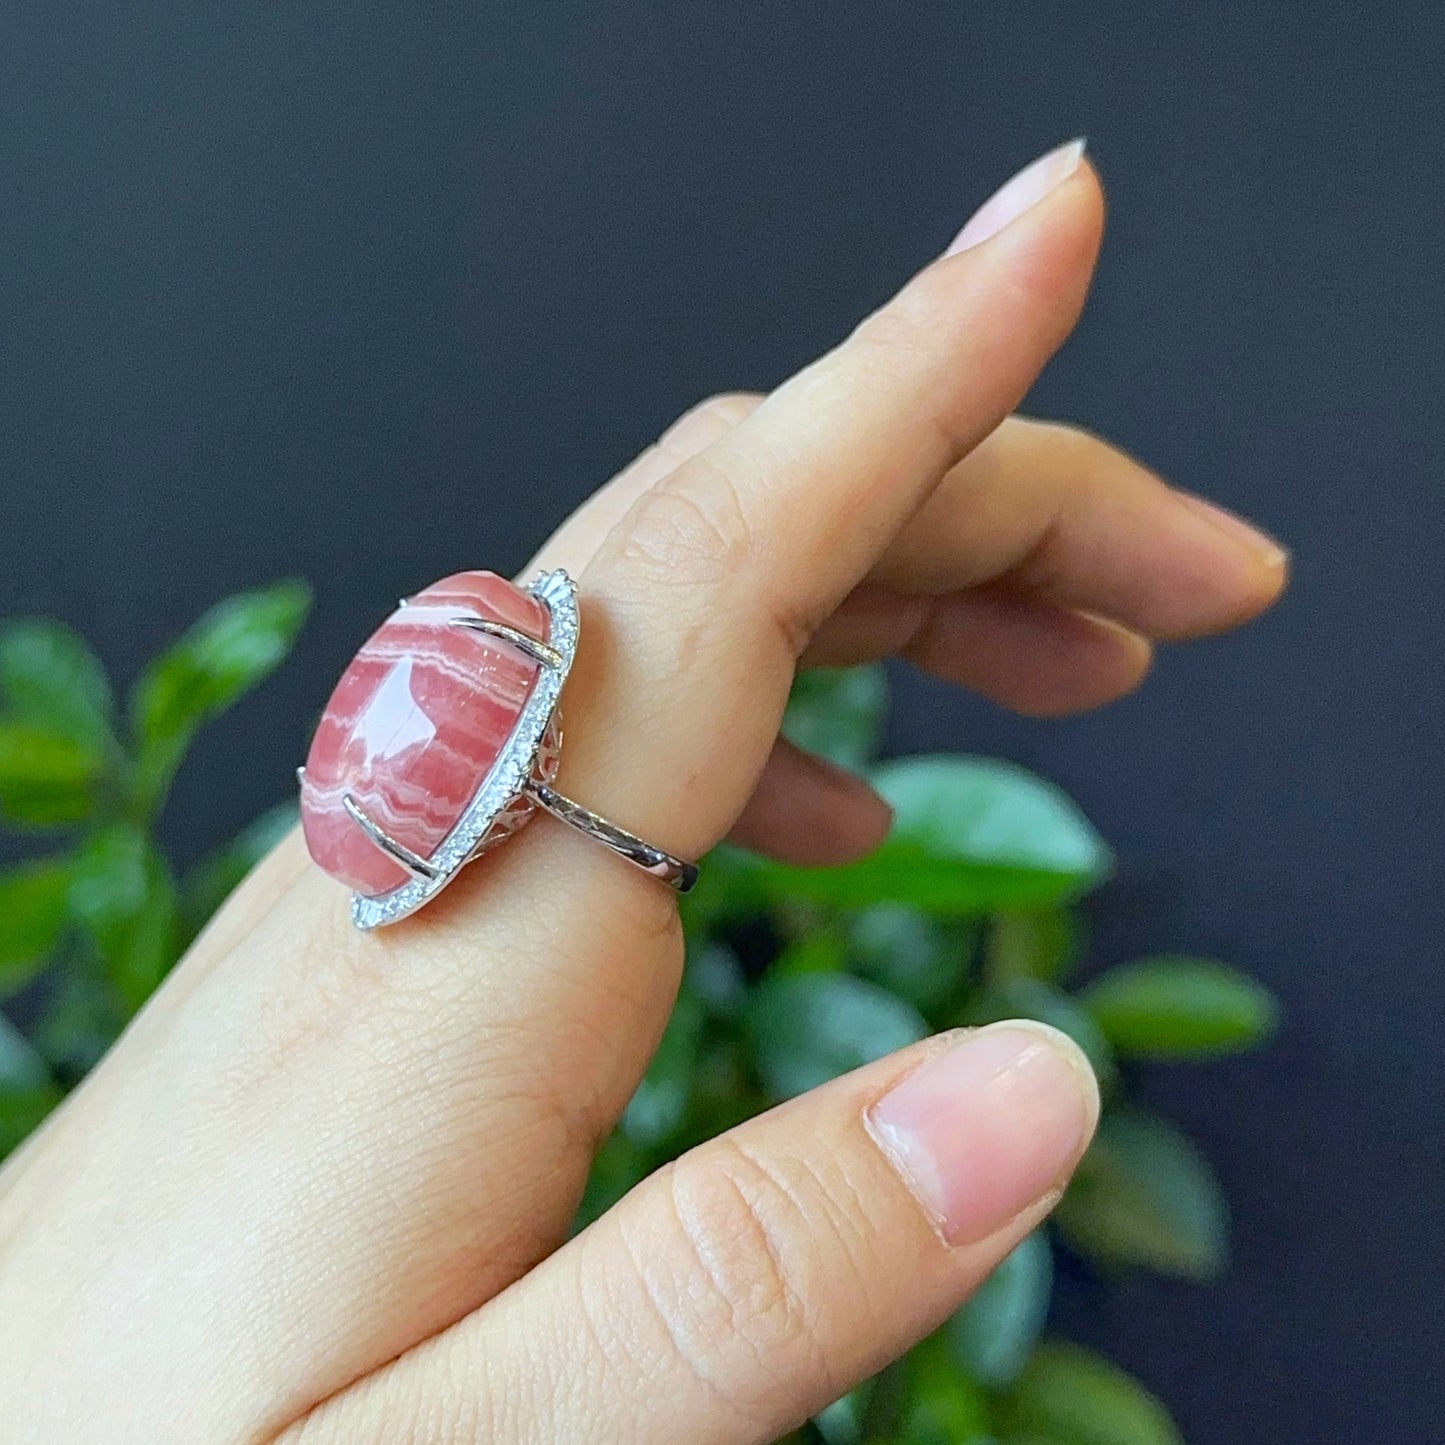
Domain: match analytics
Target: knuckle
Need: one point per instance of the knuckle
(1043, 567)
(694, 529)
(754, 1265)
(695, 534)
(702, 425)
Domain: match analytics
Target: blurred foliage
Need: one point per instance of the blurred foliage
(966, 914)
(793, 976)
(91, 927)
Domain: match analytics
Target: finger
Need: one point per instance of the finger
(1035, 657)
(762, 1276)
(1062, 516)
(806, 810)
(573, 545)
(1051, 510)
(709, 588)
(1060, 521)
(803, 810)
(406, 1118)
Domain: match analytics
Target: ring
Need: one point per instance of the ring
(442, 739)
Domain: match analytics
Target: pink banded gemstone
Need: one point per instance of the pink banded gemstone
(415, 724)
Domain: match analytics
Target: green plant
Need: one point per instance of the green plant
(793, 975)
(966, 914)
(90, 928)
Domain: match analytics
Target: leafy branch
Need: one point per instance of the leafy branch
(89, 929)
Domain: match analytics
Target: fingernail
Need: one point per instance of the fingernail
(1237, 529)
(988, 1127)
(1014, 197)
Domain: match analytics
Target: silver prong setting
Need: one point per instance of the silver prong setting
(532, 647)
(414, 863)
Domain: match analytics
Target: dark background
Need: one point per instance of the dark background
(371, 291)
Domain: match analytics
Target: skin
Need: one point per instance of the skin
(320, 1190)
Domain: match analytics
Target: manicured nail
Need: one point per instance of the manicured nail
(1237, 529)
(988, 1127)
(1014, 197)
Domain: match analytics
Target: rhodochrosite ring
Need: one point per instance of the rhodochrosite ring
(442, 738)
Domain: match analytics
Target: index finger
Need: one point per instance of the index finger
(709, 587)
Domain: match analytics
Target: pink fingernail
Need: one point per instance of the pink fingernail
(1260, 543)
(988, 1127)
(1014, 197)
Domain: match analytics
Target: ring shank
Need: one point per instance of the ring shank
(673, 871)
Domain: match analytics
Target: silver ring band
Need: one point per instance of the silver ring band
(673, 871)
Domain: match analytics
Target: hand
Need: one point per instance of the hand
(320, 1190)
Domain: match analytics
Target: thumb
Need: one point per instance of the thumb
(761, 1276)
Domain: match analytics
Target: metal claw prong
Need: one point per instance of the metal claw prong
(414, 863)
(533, 647)
(403, 601)
(301, 776)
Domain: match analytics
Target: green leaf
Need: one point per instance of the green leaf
(661, 1101)
(216, 876)
(1179, 1008)
(730, 888)
(233, 647)
(839, 713)
(724, 1093)
(1039, 943)
(22, 1112)
(32, 914)
(50, 679)
(910, 954)
(27, 1092)
(1028, 999)
(46, 779)
(81, 1020)
(1079, 1398)
(842, 1422)
(121, 893)
(715, 977)
(820, 951)
(1144, 1195)
(807, 1028)
(618, 1166)
(990, 813)
(942, 1406)
(21, 1067)
(970, 835)
(993, 1334)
